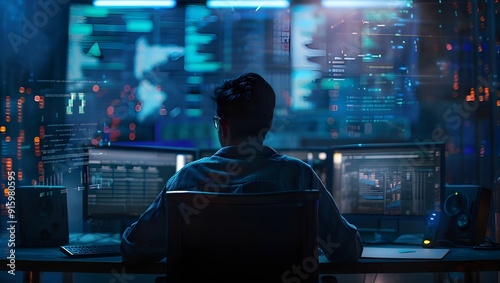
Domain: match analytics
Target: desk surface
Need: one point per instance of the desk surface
(51, 259)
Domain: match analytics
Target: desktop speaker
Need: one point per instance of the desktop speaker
(464, 215)
(42, 216)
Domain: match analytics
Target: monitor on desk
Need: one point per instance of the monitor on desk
(388, 189)
(122, 181)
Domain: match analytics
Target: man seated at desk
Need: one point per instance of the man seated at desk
(244, 115)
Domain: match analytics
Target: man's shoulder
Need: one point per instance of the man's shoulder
(290, 159)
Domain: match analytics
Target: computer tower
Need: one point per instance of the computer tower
(464, 215)
(42, 216)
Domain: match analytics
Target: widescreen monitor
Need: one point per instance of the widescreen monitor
(380, 186)
(122, 181)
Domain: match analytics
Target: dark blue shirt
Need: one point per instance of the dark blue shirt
(243, 170)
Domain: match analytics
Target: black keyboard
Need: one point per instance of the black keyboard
(91, 250)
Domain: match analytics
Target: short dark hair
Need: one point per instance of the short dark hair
(247, 103)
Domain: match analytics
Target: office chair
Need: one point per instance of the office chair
(223, 237)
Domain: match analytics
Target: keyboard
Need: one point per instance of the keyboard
(91, 250)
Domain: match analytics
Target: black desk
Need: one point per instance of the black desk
(34, 261)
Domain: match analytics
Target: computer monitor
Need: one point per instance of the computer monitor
(380, 186)
(122, 181)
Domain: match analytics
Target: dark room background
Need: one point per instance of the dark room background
(74, 76)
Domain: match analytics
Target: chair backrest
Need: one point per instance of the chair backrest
(224, 237)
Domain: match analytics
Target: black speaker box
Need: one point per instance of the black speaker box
(464, 215)
(42, 216)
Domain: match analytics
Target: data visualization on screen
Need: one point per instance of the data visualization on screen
(125, 180)
(403, 179)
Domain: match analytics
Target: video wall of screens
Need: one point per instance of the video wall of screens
(140, 67)
(122, 181)
(339, 73)
(358, 66)
(381, 72)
